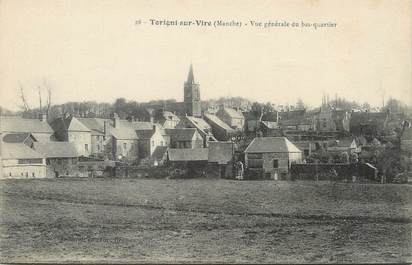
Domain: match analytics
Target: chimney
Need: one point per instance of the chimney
(116, 120)
(106, 128)
(43, 117)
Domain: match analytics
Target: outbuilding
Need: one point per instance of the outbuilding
(271, 157)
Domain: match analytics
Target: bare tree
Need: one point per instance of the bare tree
(40, 105)
(23, 98)
(49, 93)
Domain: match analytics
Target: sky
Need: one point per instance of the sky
(94, 50)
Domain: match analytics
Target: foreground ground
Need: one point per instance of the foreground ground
(96, 220)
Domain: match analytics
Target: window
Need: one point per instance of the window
(27, 174)
(32, 174)
(124, 146)
(306, 152)
(255, 160)
(275, 163)
(98, 147)
(86, 147)
(9, 174)
(30, 161)
(255, 156)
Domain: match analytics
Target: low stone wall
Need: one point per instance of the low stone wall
(324, 172)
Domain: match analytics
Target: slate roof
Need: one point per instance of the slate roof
(170, 116)
(159, 153)
(56, 149)
(345, 142)
(270, 124)
(181, 134)
(138, 125)
(42, 137)
(76, 125)
(124, 133)
(15, 137)
(358, 118)
(271, 145)
(185, 154)
(69, 124)
(96, 125)
(18, 124)
(233, 113)
(199, 123)
(18, 151)
(218, 122)
(220, 152)
(145, 134)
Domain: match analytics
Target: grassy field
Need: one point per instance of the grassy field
(141, 220)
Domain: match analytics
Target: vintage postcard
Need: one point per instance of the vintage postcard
(180, 131)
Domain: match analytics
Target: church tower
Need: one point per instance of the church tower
(192, 96)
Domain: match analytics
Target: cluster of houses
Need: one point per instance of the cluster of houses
(185, 136)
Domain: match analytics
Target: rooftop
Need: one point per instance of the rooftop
(185, 154)
(56, 149)
(18, 124)
(18, 151)
(271, 145)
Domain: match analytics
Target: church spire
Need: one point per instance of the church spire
(190, 77)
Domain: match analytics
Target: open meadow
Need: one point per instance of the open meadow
(203, 220)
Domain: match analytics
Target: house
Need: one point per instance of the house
(204, 129)
(271, 116)
(61, 158)
(20, 161)
(100, 135)
(292, 114)
(25, 138)
(193, 160)
(232, 117)
(70, 129)
(148, 140)
(307, 147)
(183, 138)
(159, 156)
(323, 120)
(252, 121)
(220, 130)
(39, 128)
(270, 128)
(341, 119)
(220, 159)
(271, 157)
(348, 145)
(298, 124)
(167, 119)
(124, 142)
(368, 123)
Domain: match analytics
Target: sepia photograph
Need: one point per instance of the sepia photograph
(194, 131)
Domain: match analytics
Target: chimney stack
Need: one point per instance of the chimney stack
(116, 120)
(43, 117)
(106, 128)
